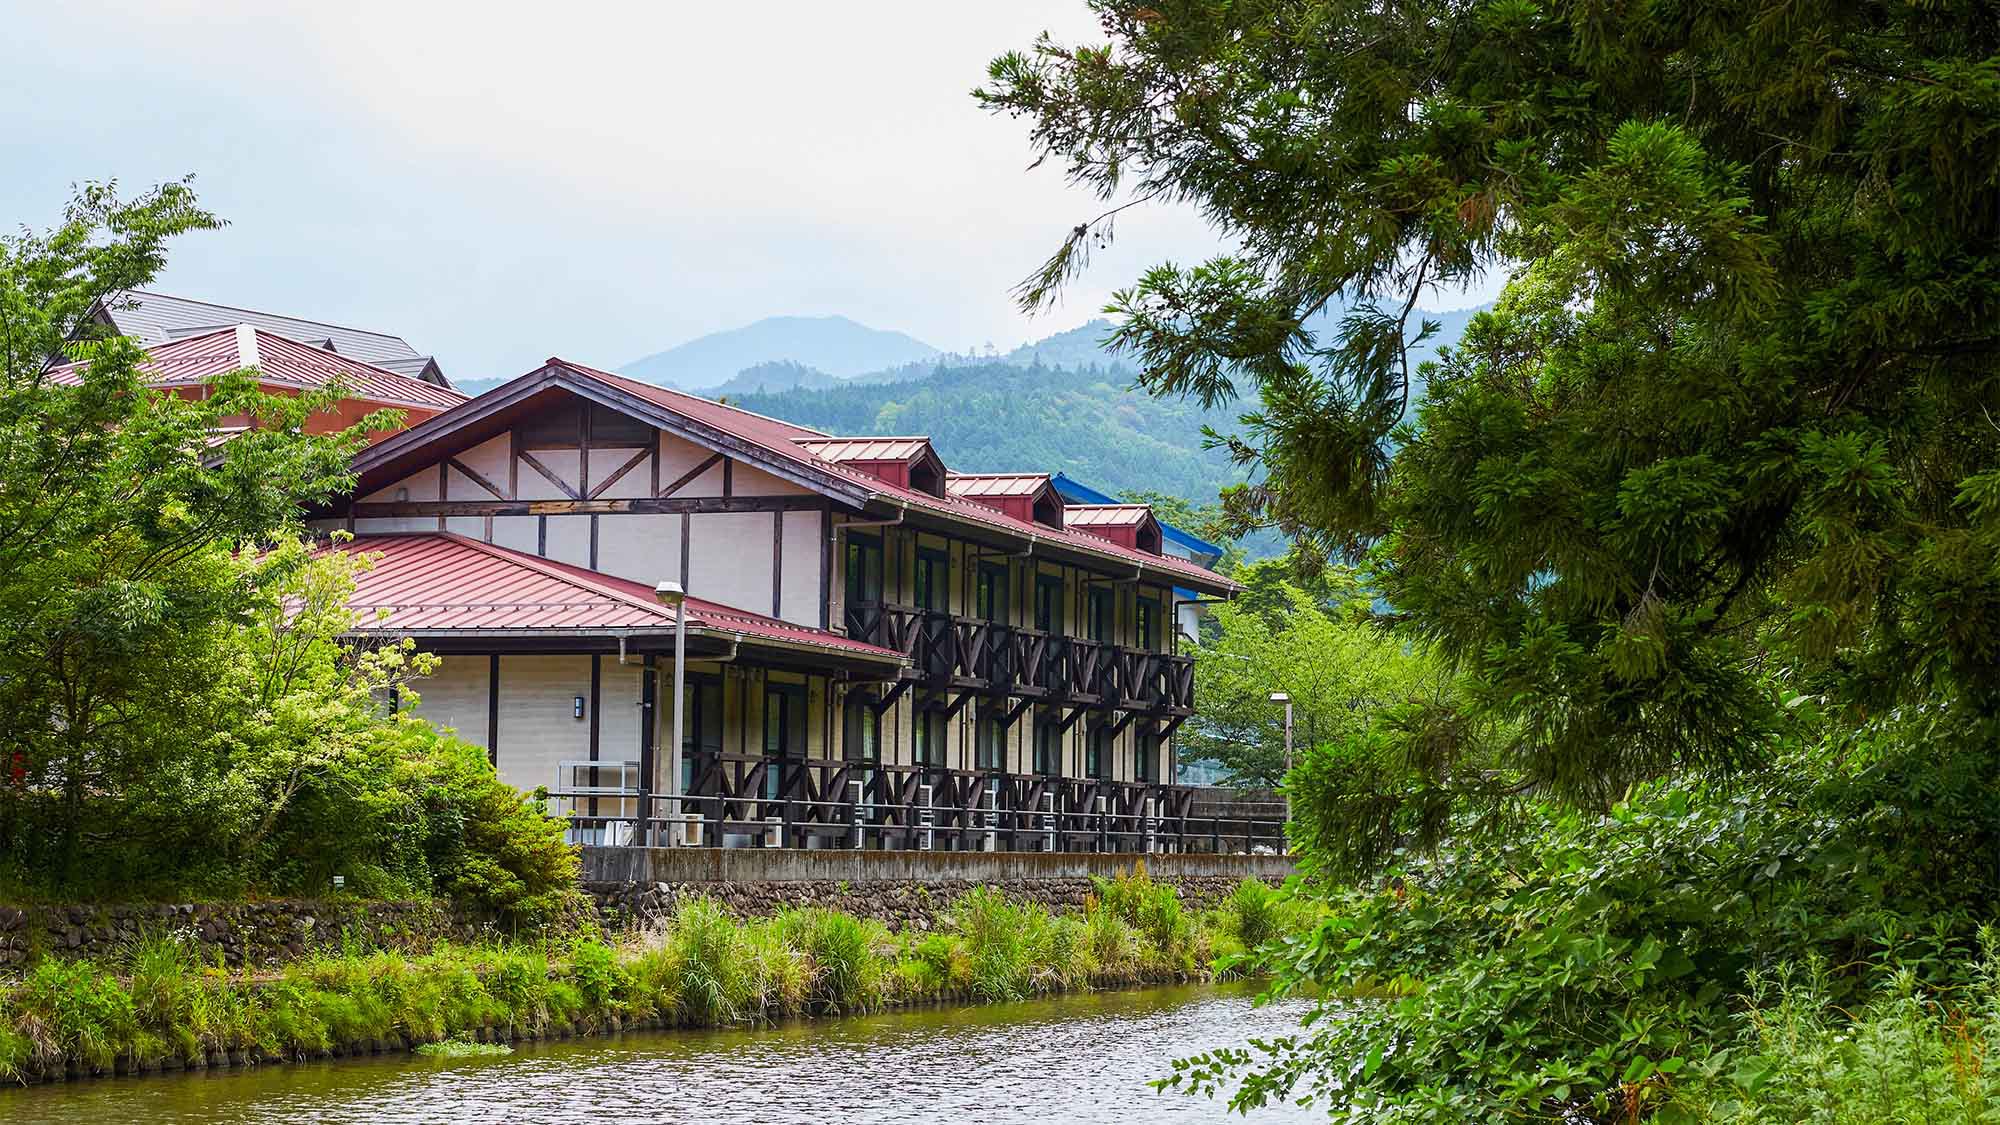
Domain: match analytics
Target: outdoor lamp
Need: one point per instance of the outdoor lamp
(671, 593)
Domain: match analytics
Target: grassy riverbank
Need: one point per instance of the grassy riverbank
(157, 1007)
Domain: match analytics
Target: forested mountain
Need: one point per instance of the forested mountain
(777, 375)
(995, 416)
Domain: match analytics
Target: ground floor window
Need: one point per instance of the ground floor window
(1097, 752)
(861, 730)
(991, 741)
(784, 730)
(701, 724)
(1146, 767)
(928, 738)
(1048, 744)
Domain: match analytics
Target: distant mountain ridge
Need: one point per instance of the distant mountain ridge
(834, 345)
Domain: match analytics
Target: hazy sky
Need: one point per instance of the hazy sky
(594, 180)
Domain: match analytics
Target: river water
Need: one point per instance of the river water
(1072, 1060)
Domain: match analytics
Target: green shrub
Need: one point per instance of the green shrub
(842, 951)
(1906, 1056)
(995, 933)
(710, 963)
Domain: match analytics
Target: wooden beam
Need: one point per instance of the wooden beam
(703, 505)
(687, 478)
(549, 475)
(1070, 719)
(618, 473)
(888, 698)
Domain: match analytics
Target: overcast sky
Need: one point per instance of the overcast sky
(594, 180)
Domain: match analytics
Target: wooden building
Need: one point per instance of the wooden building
(880, 652)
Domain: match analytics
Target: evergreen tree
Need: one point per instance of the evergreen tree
(1729, 440)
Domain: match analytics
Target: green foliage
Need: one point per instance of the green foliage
(461, 1049)
(1341, 669)
(1906, 1056)
(704, 968)
(1730, 414)
(187, 712)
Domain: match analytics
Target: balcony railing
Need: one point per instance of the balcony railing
(971, 654)
(784, 802)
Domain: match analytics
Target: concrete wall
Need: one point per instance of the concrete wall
(642, 888)
(789, 865)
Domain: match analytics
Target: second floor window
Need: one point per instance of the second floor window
(864, 569)
(1147, 765)
(701, 724)
(1147, 623)
(1049, 603)
(933, 584)
(1102, 614)
(993, 591)
(785, 720)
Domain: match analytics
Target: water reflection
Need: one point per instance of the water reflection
(1080, 1060)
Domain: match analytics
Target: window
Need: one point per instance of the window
(933, 580)
(928, 744)
(1097, 752)
(784, 730)
(1147, 766)
(701, 724)
(993, 592)
(1048, 744)
(861, 730)
(1049, 603)
(864, 569)
(1147, 622)
(1103, 614)
(991, 743)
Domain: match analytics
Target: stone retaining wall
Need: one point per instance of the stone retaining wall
(253, 933)
(642, 886)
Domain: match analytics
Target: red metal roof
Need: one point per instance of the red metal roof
(432, 582)
(280, 360)
(867, 448)
(973, 485)
(787, 441)
(1106, 515)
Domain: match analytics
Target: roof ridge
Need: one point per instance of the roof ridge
(598, 371)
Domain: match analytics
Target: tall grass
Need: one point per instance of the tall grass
(158, 1006)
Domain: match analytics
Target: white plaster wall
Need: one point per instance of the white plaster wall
(637, 481)
(746, 480)
(383, 525)
(535, 486)
(537, 729)
(643, 548)
(619, 716)
(423, 485)
(569, 539)
(729, 559)
(472, 527)
(677, 456)
(802, 569)
(455, 696)
(488, 459)
(518, 532)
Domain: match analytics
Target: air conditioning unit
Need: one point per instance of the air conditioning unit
(926, 819)
(862, 811)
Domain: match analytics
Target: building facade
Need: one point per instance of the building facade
(880, 652)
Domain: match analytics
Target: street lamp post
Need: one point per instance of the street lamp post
(670, 593)
(1282, 697)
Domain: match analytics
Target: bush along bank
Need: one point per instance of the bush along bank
(158, 1008)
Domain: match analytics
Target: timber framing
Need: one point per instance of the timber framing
(695, 505)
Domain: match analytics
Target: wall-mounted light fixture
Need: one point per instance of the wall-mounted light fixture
(576, 707)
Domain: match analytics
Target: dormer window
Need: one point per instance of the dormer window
(1128, 525)
(905, 462)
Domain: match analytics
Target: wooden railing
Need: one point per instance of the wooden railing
(978, 655)
(780, 802)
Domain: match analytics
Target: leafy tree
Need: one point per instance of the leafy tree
(1342, 671)
(1728, 439)
(117, 513)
